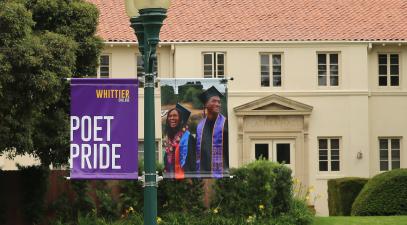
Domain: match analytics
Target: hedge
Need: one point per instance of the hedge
(384, 195)
(261, 187)
(342, 193)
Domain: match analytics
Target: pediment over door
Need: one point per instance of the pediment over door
(273, 105)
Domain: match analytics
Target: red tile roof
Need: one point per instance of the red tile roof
(266, 20)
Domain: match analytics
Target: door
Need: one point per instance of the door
(276, 150)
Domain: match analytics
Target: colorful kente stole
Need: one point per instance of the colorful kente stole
(181, 153)
(217, 145)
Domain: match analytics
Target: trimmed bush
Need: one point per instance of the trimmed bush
(384, 195)
(342, 193)
(260, 188)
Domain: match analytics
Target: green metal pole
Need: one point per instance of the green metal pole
(151, 21)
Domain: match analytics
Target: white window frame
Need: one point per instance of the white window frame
(329, 155)
(388, 69)
(214, 64)
(328, 69)
(109, 66)
(389, 150)
(270, 65)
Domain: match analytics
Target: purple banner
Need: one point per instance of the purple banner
(104, 129)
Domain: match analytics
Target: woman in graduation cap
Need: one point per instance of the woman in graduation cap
(212, 137)
(179, 144)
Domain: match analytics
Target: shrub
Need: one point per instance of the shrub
(260, 188)
(173, 195)
(385, 194)
(342, 193)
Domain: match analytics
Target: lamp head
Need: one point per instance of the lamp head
(131, 9)
(152, 4)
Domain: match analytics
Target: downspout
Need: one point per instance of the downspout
(172, 61)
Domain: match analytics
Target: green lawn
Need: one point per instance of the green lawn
(354, 220)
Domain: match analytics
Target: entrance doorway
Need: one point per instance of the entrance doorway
(276, 150)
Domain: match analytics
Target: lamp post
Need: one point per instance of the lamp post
(146, 18)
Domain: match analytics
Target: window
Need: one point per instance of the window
(214, 64)
(261, 151)
(328, 69)
(389, 69)
(140, 66)
(329, 157)
(274, 69)
(389, 150)
(104, 67)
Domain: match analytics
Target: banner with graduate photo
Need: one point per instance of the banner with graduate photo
(104, 129)
(195, 128)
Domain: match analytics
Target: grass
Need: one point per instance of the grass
(356, 220)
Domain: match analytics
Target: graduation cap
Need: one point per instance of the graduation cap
(185, 113)
(206, 95)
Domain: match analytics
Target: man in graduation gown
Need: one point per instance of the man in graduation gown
(212, 137)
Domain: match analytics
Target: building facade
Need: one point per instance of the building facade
(321, 85)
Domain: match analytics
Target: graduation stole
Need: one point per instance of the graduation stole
(181, 152)
(217, 145)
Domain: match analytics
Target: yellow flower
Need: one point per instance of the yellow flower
(261, 207)
(215, 210)
(159, 220)
(250, 219)
(311, 189)
(307, 197)
(130, 209)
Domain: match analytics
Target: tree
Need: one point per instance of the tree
(41, 43)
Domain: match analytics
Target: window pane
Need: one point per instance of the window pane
(265, 69)
(334, 69)
(323, 154)
(334, 143)
(104, 74)
(265, 81)
(382, 80)
(395, 155)
(395, 165)
(323, 166)
(335, 166)
(276, 59)
(207, 58)
(394, 69)
(322, 80)
(321, 58)
(395, 143)
(334, 81)
(283, 153)
(384, 165)
(394, 81)
(383, 144)
(333, 58)
(104, 69)
(323, 144)
(322, 68)
(104, 60)
(265, 59)
(383, 70)
(261, 151)
(383, 155)
(382, 59)
(221, 69)
(221, 58)
(277, 69)
(394, 59)
(276, 81)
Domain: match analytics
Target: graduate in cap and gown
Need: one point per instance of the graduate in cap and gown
(212, 137)
(179, 144)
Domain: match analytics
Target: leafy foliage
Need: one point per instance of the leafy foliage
(41, 43)
(384, 195)
(342, 193)
(261, 183)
